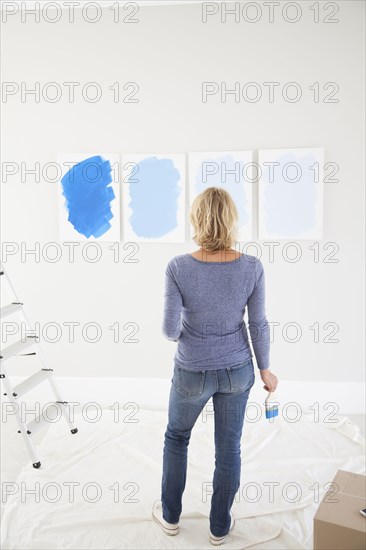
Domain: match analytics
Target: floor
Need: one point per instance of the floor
(114, 467)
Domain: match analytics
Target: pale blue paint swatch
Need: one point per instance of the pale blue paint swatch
(154, 191)
(233, 183)
(289, 206)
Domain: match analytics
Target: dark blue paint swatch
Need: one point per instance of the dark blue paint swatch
(154, 193)
(86, 188)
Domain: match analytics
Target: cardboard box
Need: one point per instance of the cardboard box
(338, 524)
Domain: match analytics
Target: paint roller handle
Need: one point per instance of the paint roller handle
(269, 397)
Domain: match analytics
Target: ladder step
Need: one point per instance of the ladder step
(17, 347)
(31, 382)
(42, 419)
(10, 308)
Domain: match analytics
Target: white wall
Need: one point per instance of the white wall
(169, 53)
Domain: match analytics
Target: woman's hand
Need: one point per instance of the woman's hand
(269, 379)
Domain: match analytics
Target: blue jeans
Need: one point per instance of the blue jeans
(190, 391)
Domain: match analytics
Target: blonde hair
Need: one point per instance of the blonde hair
(214, 217)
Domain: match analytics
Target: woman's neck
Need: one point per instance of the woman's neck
(222, 254)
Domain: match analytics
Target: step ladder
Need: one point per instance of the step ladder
(14, 393)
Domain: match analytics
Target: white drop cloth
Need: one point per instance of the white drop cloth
(128, 454)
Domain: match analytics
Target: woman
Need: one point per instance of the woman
(206, 293)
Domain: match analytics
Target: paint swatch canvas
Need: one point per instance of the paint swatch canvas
(154, 197)
(89, 197)
(232, 171)
(291, 193)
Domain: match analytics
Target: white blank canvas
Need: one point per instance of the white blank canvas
(291, 193)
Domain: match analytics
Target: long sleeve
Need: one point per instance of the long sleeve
(258, 324)
(171, 325)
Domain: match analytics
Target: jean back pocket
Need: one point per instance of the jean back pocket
(241, 377)
(188, 382)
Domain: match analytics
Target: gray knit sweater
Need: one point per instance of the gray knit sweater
(204, 307)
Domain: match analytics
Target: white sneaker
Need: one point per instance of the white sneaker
(157, 513)
(216, 541)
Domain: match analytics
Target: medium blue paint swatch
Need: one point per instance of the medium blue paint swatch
(154, 193)
(231, 182)
(86, 188)
(289, 206)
